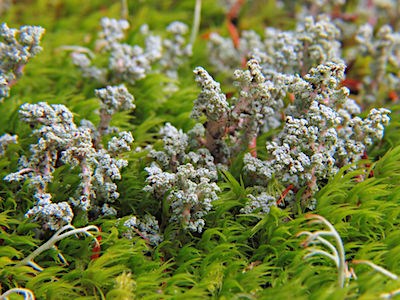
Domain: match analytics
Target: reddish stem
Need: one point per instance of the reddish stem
(141, 235)
(365, 156)
(354, 85)
(234, 33)
(234, 11)
(284, 194)
(253, 146)
(232, 17)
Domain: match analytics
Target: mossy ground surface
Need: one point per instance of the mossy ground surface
(237, 256)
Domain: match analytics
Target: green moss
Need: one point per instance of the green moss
(237, 256)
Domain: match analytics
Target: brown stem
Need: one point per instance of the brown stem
(284, 194)
(215, 132)
(105, 119)
(104, 124)
(310, 187)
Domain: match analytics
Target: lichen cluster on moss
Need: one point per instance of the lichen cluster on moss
(137, 162)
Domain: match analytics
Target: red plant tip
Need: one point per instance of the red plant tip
(353, 85)
(393, 96)
(364, 155)
(291, 97)
(229, 95)
(96, 248)
(206, 35)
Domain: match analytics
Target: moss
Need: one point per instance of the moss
(237, 255)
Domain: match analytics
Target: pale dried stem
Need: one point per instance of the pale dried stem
(59, 235)
(338, 255)
(86, 180)
(376, 268)
(391, 294)
(124, 10)
(28, 294)
(196, 22)
(78, 49)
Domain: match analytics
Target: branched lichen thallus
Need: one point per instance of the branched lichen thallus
(232, 127)
(322, 133)
(61, 142)
(17, 47)
(184, 179)
(130, 63)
